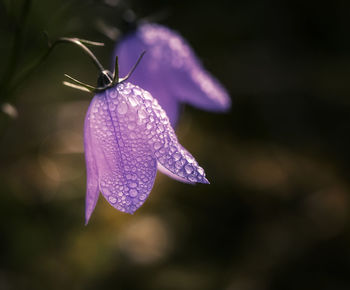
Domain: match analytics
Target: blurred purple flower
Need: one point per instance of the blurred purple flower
(127, 136)
(171, 72)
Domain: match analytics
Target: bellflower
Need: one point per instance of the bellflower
(127, 137)
(171, 72)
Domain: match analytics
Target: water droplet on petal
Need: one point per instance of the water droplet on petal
(192, 178)
(157, 145)
(112, 199)
(178, 164)
(122, 108)
(200, 170)
(133, 102)
(188, 169)
(142, 197)
(147, 96)
(127, 91)
(181, 174)
(162, 114)
(133, 192)
(177, 156)
(137, 91)
(113, 94)
(132, 184)
(142, 114)
(131, 126)
(189, 158)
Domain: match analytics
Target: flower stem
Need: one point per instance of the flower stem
(79, 42)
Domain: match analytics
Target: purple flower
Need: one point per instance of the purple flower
(170, 71)
(127, 135)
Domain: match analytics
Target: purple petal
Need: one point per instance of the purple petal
(126, 165)
(150, 75)
(172, 158)
(165, 171)
(127, 134)
(92, 189)
(196, 86)
(170, 70)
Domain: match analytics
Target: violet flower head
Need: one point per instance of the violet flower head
(171, 72)
(127, 135)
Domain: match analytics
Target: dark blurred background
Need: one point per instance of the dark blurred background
(276, 214)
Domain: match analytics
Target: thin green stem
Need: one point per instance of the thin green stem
(116, 71)
(79, 43)
(76, 41)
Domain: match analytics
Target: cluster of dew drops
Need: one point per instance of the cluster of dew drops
(136, 133)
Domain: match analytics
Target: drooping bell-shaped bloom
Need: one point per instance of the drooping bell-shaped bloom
(127, 136)
(170, 71)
